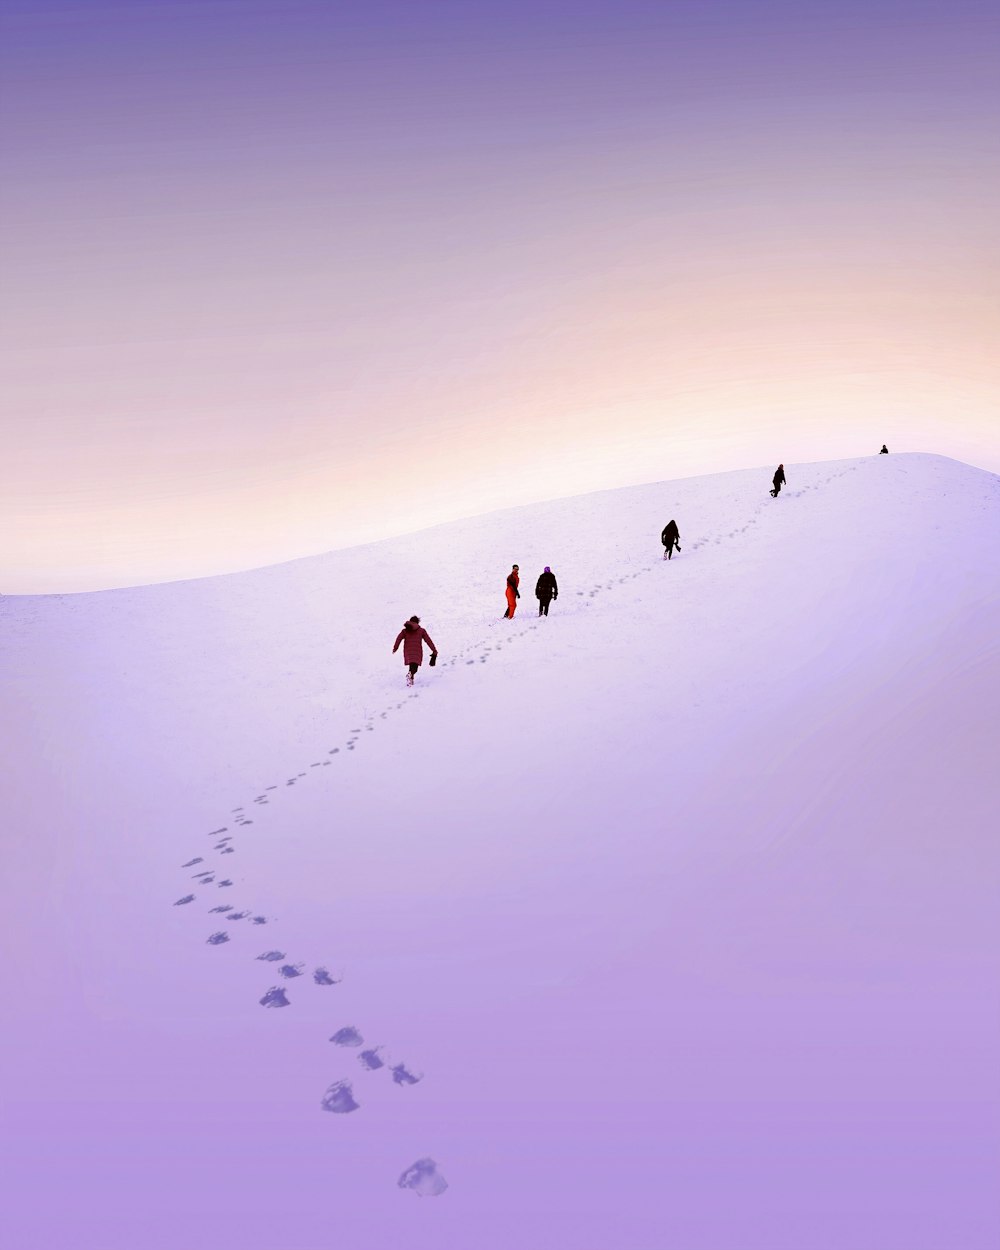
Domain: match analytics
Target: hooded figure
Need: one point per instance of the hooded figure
(884, 451)
(413, 636)
(546, 589)
(671, 538)
(513, 594)
(778, 480)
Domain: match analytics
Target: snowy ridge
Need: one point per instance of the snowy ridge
(710, 839)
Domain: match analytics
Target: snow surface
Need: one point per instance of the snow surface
(669, 920)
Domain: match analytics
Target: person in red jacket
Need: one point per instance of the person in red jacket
(413, 636)
(513, 594)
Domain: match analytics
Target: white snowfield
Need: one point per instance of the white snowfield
(670, 920)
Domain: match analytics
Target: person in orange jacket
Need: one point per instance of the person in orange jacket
(513, 594)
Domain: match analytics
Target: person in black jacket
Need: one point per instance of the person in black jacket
(778, 480)
(546, 589)
(884, 451)
(671, 538)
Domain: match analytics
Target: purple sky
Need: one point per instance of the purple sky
(285, 277)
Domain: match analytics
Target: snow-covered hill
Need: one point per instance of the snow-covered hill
(680, 903)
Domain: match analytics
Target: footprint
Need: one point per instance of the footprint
(238, 915)
(222, 907)
(191, 862)
(272, 787)
(259, 920)
(402, 1075)
(347, 1036)
(205, 872)
(290, 970)
(322, 977)
(229, 850)
(224, 883)
(215, 832)
(188, 898)
(335, 751)
(339, 1098)
(275, 997)
(207, 879)
(424, 1179)
(272, 957)
(371, 1060)
(217, 939)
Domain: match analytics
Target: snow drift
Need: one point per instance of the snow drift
(670, 919)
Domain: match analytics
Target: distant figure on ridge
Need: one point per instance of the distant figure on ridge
(513, 594)
(546, 589)
(778, 480)
(884, 451)
(413, 636)
(671, 538)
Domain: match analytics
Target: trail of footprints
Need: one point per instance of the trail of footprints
(339, 1098)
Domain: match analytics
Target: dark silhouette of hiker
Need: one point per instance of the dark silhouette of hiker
(778, 480)
(671, 538)
(513, 594)
(413, 636)
(884, 451)
(546, 589)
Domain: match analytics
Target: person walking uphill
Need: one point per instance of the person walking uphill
(778, 480)
(513, 594)
(671, 538)
(884, 451)
(546, 589)
(413, 636)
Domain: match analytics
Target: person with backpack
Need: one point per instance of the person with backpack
(546, 589)
(413, 636)
(513, 594)
(671, 538)
(884, 451)
(778, 480)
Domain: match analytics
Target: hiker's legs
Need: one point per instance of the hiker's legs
(411, 674)
(511, 603)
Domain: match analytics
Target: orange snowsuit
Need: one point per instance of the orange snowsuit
(513, 578)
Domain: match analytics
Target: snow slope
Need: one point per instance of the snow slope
(681, 903)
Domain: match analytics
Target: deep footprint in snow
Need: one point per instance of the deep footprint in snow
(402, 1075)
(275, 997)
(272, 957)
(222, 907)
(238, 915)
(223, 883)
(188, 898)
(322, 977)
(339, 1098)
(290, 970)
(217, 939)
(258, 920)
(371, 1060)
(191, 862)
(215, 832)
(347, 1036)
(424, 1179)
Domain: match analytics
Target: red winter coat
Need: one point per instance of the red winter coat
(413, 638)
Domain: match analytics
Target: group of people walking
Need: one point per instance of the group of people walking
(546, 589)
(413, 635)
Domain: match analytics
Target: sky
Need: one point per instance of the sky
(279, 278)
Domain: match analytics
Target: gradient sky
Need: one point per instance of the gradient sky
(284, 277)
